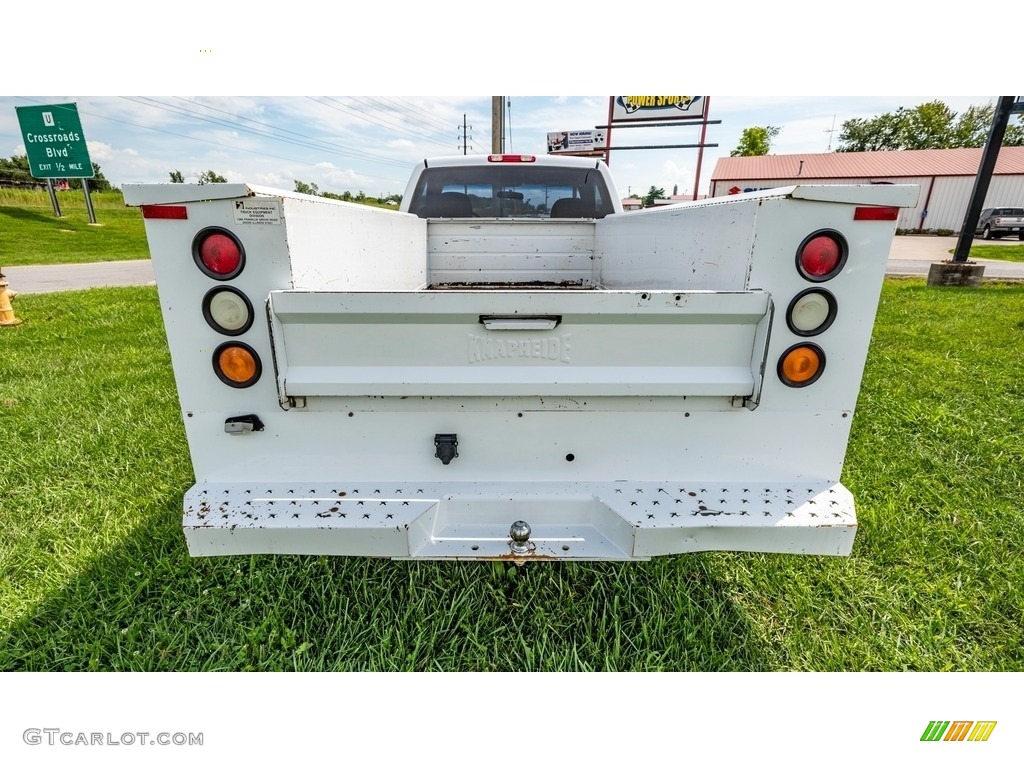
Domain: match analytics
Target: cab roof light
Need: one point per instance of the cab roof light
(511, 158)
(164, 212)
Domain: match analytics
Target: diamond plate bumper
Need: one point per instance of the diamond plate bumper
(569, 521)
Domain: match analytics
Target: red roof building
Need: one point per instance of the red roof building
(946, 178)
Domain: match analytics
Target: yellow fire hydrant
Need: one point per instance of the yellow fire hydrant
(6, 310)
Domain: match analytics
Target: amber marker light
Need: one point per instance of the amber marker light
(237, 364)
(801, 365)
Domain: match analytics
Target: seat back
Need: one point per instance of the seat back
(447, 205)
(572, 208)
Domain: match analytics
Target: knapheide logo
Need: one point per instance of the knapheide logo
(958, 730)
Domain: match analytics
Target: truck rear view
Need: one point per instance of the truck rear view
(491, 373)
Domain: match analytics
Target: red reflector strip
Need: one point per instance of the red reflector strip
(164, 212)
(876, 214)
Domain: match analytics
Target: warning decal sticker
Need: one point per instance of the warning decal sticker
(255, 211)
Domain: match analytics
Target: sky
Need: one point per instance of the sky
(206, 86)
(370, 143)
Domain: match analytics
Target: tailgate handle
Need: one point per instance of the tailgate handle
(520, 322)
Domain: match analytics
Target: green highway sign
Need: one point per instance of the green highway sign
(54, 142)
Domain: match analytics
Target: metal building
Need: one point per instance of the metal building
(946, 178)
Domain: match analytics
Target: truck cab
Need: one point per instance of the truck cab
(511, 186)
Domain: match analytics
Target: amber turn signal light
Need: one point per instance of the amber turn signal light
(801, 365)
(237, 364)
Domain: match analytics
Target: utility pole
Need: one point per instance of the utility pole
(1000, 119)
(465, 135)
(497, 124)
(830, 132)
(959, 270)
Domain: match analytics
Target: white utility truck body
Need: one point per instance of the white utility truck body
(497, 381)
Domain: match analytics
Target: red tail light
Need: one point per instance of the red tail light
(821, 256)
(218, 253)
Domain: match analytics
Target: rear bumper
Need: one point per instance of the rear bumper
(471, 521)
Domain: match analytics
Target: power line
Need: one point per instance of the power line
(319, 145)
(340, 107)
(233, 147)
(420, 117)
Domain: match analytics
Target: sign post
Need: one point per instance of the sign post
(55, 146)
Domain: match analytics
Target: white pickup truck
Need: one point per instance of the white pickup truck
(512, 367)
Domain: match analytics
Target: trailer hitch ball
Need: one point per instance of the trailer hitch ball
(520, 535)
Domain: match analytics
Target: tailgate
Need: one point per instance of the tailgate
(516, 343)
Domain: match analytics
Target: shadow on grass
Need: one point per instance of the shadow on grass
(147, 606)
(26, 214)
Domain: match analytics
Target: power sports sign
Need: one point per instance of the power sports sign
(54, 142)
(639, 109)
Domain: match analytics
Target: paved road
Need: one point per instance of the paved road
(910, 255)
(71, 277)
(913, 254)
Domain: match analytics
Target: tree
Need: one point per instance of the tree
(15, 168)
(98, 182)
(211, 177)
(931, 125)
(756, 141)
(177, 177)
(306, 189)
(654, 193)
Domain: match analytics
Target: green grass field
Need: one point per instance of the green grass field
(1000, 252)
(94, 574)
(33, 235)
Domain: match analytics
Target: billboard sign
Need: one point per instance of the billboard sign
(576, 141)
(638, 109)
(54, 142)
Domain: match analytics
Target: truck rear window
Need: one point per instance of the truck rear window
(520, 191)
(1008, 212)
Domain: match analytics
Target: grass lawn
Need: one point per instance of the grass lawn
(33, 235)
(94, 574)
(1002, 252)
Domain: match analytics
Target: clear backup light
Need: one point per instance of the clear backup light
(227, 311)
(821, 256)
(218, 253)
(811, 312)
